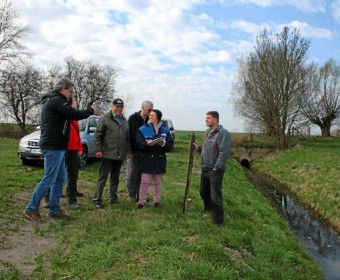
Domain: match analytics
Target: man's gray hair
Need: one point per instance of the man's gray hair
(146, 103)
(63, 83)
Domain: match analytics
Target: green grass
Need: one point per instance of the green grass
(311, 172)
(120, 242)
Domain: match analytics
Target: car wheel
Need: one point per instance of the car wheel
(83, 158)
(24, 161)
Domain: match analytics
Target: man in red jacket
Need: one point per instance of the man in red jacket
(74, 150)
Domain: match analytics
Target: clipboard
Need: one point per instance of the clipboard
(156, 141)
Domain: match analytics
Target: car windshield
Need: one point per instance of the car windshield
(165, 123)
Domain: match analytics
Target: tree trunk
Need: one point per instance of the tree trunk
(325, 131)
(325, 128)
(22, 127)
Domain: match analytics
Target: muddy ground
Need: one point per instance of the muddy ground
(21, 247)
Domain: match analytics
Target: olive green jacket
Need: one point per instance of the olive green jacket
(111, 138)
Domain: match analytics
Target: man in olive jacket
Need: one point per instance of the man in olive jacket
(112, 144)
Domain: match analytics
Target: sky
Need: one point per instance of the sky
(180, 54)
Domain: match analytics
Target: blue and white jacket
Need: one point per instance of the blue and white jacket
(153, 158)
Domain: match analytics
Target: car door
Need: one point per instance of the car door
(90, 131)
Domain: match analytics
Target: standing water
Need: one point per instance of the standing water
(322, 244)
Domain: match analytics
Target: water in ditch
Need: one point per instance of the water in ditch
(322, 244)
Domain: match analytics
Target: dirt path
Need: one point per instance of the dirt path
(20, 248)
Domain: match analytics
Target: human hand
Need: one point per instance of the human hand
(195, 146)
(96, 111)
(162, 143)
(148, 142)
(74, 104)
(80, 153)
(98, 154)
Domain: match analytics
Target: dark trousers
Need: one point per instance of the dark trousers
(72, 168)
(133, 175)
(112, 167)
(211, 193)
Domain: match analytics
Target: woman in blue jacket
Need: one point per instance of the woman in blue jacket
(153, 158)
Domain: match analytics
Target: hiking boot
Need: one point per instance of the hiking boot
(140, 206)
(156, 205)
(99, 205)
(218, 224)
(113, 201)
(78, 194)
(132, 198)
(60, 215)
(74, 206)
(33, 216)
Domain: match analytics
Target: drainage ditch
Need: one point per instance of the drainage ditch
(321, 243)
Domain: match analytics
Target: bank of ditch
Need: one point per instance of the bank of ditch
(311, 173)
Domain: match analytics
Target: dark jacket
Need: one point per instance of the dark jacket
(111, 138)
(55, 125)
(135, 122)
(153, 158)
(215, 149)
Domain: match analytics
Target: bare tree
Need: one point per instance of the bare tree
(20, 88)
(271, 81)
(11, 33)
(323, 99)
(95, 83)
(51, 76)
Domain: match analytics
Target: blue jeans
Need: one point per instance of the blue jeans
(54, 178)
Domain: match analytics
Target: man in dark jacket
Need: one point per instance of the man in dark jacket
(214, 154)
(112, 145)
(133, 174)
(55, 133)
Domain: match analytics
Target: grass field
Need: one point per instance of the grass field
(312, 172)
(120, 242)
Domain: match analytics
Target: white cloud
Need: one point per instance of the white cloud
(336, 10)
(314, 6)
(308, 30)
(249, 27)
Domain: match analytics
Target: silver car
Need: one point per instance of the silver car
(169, 125)
(30, 152)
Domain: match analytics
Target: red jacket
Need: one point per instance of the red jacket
(74, 143)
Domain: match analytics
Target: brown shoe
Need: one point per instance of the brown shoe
(33, 216)
(60, 215)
